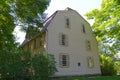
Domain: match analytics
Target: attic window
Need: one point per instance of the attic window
(67, 22)
(83, 28)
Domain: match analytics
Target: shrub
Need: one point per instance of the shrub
(43, 66)
(107, 65)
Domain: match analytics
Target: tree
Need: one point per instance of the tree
(13, 13)
(106, 27)
(14, 65)
(107, 24)
(30, 14)
(6, 27)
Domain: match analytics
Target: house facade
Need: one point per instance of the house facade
(67, 36)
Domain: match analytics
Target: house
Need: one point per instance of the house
(67, 36)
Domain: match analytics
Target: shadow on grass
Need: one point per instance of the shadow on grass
(91, 78)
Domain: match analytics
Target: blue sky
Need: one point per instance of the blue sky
(81, 6)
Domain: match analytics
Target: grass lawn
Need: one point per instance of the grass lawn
(92, 78)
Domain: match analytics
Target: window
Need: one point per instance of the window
(28, 46)
(90, 62)
(67, 23)
(64, 60)
(63, 40)
(78, 63)
(88, 45)
(34, 43)
(41, 41)
(83, 28)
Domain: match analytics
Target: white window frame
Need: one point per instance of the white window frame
(61, 41)
(88, 45)
(90, 62)
(64, 62)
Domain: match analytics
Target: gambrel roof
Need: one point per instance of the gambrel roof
(46, 23)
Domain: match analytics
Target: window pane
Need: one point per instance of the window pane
(83, 27)
(40, 41)
(90, 62)
(88, 45)
(64, 61)
(63, 39)
(67, 22)
(34, 43)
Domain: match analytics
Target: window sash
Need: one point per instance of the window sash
(88, 45)
(90, 62)
(63, 39)
(34, 43)
(83, 28)
(64, 60)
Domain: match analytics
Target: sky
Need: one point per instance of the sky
(81, 6)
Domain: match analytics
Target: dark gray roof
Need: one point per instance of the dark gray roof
(45, 25)
(24, 42)
(47, 22)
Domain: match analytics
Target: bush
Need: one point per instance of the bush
(19, 65)
(14, 64)
(107, 65)
(117, 67)
(43, 66)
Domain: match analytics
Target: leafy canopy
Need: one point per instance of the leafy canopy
(106, 24)
(12, 13)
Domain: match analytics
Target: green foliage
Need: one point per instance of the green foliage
(6, 27)
(117, 67)
(28, 10)
(43, 66)
(107, 65)
(20, 65)
(106, 24)
(13, 62)
(30, 14)
(12, 66)
(106, 27)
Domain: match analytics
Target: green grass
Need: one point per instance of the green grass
(92, 78)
